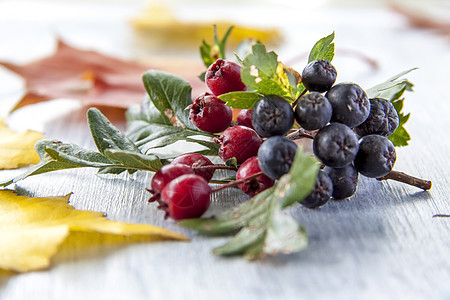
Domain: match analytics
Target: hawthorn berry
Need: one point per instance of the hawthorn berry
(244, 118)
(185, 197)
(165, 175)
(224, 76)
(240, 142)
(255, 185)
(210, 114)
(196, 160)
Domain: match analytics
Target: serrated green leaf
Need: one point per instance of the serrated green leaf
(148, 135)
(400, 137)
(243, 240)
(264, 229)
(268, 86)
(393, 89)
(77, 158)
(243, 100)
(284, 235)
(170, 94)
(146, 111)
(135, 160)
(40, 168)
(106, 135)
(265, 62)
(323, 49)
(231, 219)
(59, 156)
(301, 181)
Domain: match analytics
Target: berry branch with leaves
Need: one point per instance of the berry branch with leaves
(354, 131)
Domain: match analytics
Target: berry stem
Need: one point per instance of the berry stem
(408, 179)
(214, 167)
(441, 216)
(236, 182)
(298, 98)
(300, 134)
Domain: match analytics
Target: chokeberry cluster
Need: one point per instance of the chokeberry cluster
(348, 129)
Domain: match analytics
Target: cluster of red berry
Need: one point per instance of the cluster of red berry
(181, 188)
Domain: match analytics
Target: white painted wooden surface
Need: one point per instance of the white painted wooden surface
(382, 243)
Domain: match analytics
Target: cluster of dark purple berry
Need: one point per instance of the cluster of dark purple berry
(349, 137)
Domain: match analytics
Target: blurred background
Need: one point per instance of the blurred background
(374, 39)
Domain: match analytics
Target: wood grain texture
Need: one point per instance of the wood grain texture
(382, 243)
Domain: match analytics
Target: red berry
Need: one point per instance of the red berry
(255, 185)
(186, 197)
(240, 142)
(165, 175)
(224, 76)
(210, 114)
(196, 160)
(244, 118)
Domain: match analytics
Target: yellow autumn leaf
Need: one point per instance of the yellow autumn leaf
(32, 230)
(158, 27)
(17, 148)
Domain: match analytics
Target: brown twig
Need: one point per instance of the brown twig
(408, 179)
(213, 167)
(301, 134)
(236, 182)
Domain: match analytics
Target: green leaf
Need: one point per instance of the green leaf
(171, 95)
(323, 49)
(243, 100)
(400, 137)
(135, 160)
(146, 111)
(148, 136)
(56, 156)
(264, 229)
(265, 63)
(210, 53)
(392, 90)
(205, 53)
(106, 135)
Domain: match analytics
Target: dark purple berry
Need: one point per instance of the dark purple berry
(210, 114)
(383, 119)
(344, 181)
(313, 111)
(335, 145)
(319, 76)
(321, 193)
(185, 197)
(240, 142)
(376, 156)
(255, 185)
(350, 104)
(276, 156)
(196, 160)
(272, 115)
(224, 76)
(244, 118)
